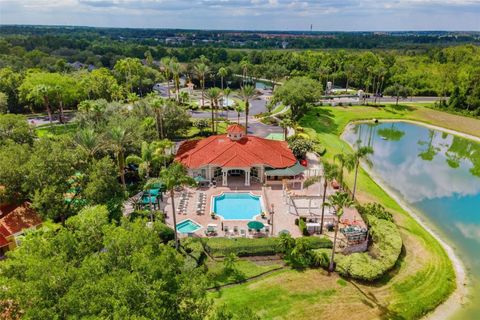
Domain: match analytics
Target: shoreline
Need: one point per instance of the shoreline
(459, 297)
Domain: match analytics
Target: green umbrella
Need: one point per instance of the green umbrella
(200, 179)
(257, 225)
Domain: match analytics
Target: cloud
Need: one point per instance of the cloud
(470, 231)
(249, 14)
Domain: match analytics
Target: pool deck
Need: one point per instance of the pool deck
(283, 218)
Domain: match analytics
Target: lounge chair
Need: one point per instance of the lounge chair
(243, 233)
(235, 229)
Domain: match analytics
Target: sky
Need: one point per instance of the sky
(323, 15)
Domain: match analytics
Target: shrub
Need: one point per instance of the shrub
(321, 258)
(303, 227)
(376, 210)
(300, 147)
(382, 256)
(165, 232)
(242, 247)
(194, 248)
(316, 242)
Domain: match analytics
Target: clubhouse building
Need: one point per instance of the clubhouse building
(236, 154)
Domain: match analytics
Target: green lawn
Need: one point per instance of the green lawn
(246, 269)
(424, 276)
(56, 129)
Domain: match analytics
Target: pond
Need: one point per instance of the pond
(438, 175)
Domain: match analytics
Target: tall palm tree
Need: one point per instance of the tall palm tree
(158, 106)
(339, 201)
(148, 157)
(176, 69)
(222, 73)
(119, 139)
(247, 93)
(213, 94)
(88, 141)
(244, 64)
(239, 108)
(361, 154)
(165, 62)
(330, 171)
(201, 70)
(226, 93)
(173, 177)
(345, 161)
(285, 124)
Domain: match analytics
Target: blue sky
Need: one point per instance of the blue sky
(324, 15)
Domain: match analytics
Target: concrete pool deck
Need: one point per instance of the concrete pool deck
(282, 218)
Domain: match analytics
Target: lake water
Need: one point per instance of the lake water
(438, 175)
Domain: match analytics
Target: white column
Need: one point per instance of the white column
(224, 177)
(247, 177)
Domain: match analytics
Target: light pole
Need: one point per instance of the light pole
(271, 218)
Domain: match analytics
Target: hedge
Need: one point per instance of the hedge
(382, 256)
(220, 247)
(302, 225)
(317, 242)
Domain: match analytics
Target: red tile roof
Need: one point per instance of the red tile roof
(222, 151)
(235, 128)
(15, 218)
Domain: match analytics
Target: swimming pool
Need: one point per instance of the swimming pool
(237, 206)
(188, 226)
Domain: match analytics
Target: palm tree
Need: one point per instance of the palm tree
(339, 201)
(148, 157)
(222, 73)
(165, 62)
(119, 138)
(173, 177)
(345, 161)
(330, 171)
(175, 69)
(239, 108)
(88, 141)
(244, 64)
(361, 154)
(226, 93)
(213, 94)
(349, 70)
(285, 124)
(201, 70)
(247, 93)
(158, 106)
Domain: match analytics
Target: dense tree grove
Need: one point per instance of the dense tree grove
(62, 71)
(93, 269)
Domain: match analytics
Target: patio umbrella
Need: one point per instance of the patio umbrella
(257, 225)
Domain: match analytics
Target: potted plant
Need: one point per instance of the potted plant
(264, 215)
(213, 215)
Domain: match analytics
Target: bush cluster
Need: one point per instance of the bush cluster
(302, 225)
(242, 247)
(220, 247)
(382, 256)
(376, 210)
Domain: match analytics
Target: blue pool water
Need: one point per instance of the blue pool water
(187, 226)
(237, 206)
(437, 174)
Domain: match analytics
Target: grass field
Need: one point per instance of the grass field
(245, 269)
(56, 129)
(424, 276)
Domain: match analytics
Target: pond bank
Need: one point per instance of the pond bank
(459, 297)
